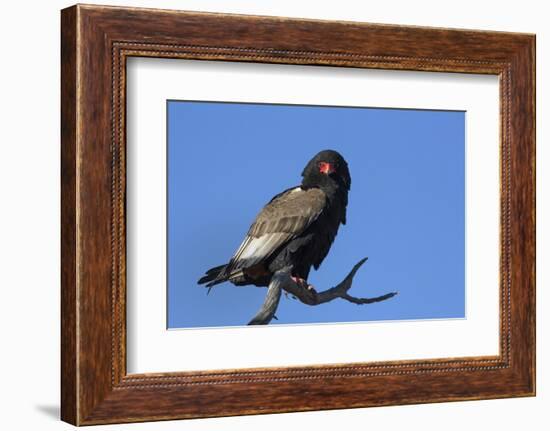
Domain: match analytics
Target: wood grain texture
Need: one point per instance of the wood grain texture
(96, 41)
(69, 366)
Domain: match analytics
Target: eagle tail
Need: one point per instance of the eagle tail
(212, 276)
(220, 274)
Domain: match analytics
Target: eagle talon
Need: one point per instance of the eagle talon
(299, 281)
(303, 283)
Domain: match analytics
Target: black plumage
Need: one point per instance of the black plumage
(296, 228)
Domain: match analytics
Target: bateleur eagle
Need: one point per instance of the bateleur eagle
(295, 229)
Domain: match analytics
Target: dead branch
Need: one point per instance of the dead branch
(271, 302)
(282, 280)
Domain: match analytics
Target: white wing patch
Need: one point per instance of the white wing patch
(256, 249)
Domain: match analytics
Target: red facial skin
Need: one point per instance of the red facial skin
(326, 168)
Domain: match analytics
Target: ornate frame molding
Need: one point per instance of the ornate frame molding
(96, 41)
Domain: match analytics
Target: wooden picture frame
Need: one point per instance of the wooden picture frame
(95, 43)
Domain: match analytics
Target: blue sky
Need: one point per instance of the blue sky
(406, 207)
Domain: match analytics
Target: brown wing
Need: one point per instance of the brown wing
(281, 220)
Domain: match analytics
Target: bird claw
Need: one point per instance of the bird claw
(303, 283)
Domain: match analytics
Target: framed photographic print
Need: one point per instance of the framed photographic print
(329, 214)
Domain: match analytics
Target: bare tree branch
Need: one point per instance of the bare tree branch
(271, 302)
(282, 280)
